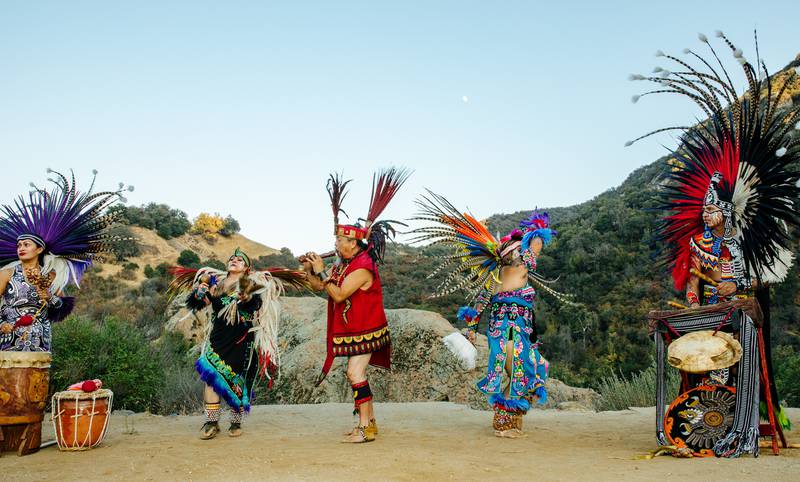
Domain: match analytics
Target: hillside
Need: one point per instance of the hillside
(155, 250)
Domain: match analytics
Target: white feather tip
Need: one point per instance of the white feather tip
(702, 38)
(780, 152)
(459, 346)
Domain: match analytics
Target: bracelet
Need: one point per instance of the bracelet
(322, 275)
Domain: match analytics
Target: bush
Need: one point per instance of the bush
(787, 374)
(208, 225)
(126, 247)
(149, 272)
(215, 263)
(619, 393)
(114, 352)
(284, 259)
(230, 227)
(189, 259)
(165, 221)
(182, 391)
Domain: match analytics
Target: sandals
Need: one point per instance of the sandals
(360, 435)
(209, 430)
(371, 428)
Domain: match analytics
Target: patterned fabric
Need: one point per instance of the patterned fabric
(212, 412)
(511, 321)
(358, 325)
(227, 363)
(22, 298)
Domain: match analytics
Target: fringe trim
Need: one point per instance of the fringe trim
(511, 405)
(735, 444)
(210, 376)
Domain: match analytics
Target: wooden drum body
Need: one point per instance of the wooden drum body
(80, 419)
(24, 378)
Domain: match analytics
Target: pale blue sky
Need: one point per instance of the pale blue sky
(243, 108)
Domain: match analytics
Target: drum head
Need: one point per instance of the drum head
(697, 419)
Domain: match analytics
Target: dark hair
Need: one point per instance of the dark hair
(510, 258)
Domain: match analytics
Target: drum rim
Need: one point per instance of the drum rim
(81, 395)
(25, 359)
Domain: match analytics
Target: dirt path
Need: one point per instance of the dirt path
(430, 441)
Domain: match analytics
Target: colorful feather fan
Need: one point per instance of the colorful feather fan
(748, 140)
(474, 259)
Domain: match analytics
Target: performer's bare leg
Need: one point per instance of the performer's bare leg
(212, 408)
(357, 374)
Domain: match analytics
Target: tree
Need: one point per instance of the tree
(230, 227)
(208, 225)
(189, 259)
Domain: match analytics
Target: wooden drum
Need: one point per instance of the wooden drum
(80, 419)
(24, 377)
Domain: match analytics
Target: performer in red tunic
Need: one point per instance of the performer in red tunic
(357, 325)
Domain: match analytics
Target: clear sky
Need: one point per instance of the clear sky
(243, 108)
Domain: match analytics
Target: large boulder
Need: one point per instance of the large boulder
(423, 369)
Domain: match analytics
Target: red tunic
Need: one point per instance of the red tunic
(358, 325)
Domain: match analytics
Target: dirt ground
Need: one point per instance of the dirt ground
(417, 441)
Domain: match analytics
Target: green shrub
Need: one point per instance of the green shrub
(182, 391)
(215, 263)
(189, 259)
(787, 374)
(618, 392)
(165, 221)
(114, 352)
(230, 227)
(125, 246)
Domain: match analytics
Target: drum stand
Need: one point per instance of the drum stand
(24, 438)
(663, 337)
(772, 428)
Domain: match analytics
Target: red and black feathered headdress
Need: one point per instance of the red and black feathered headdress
(742, 159)
(385, 185)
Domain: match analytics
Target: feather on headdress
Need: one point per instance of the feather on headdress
(72, 225)
(746, 145)
(385, 185)
(477, 256)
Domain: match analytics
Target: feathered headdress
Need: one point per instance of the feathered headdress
(385, 185)
(740, 159)
(70, 225)
(477, 256)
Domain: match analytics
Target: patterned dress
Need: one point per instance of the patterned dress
(511, 321)
(21, 299)
(229, 363)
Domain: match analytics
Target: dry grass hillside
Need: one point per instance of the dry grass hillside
(156, 250)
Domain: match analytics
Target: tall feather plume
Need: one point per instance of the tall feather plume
(385, 185)
(337, 191)
(748, 139)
